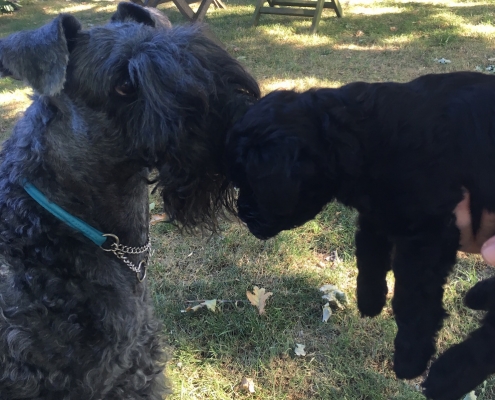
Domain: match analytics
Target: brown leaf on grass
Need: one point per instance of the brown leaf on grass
(334, 296)
(155, 218)
(247, 384)
(258, 298)
(195, 308)
(209, 304)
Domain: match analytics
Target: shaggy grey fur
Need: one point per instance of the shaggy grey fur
(110, 104)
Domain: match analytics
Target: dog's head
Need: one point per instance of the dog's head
(287, 156)
(142, 91)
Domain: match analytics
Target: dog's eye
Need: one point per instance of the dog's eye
(126, 88)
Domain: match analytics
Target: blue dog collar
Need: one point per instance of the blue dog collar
(97, 237)
(91, 233)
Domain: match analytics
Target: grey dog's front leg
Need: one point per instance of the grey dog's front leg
(421, 265)
(373, 254)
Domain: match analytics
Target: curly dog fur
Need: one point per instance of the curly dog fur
(111, 103)
(400, 154)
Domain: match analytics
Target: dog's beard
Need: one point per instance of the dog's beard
(193, 201)
(182, 122)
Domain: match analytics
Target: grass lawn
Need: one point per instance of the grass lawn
(347, 357)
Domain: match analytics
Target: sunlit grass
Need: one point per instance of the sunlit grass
(12, 103)
(19, 96)
(375, 10)
(298, 84)
(481, 30)
(71, 9)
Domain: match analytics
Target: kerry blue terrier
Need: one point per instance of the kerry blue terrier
(110, 104)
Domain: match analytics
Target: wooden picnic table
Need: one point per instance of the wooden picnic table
(297, 8)
(184, 8)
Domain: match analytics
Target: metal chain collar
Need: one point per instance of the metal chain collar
(120, 252)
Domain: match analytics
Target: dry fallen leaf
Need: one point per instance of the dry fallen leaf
(470, 396)
(247, 384)
(210, 304)
(258, 298)
(195, 308)
(299, 350)
(335, 297)
(155, 218)
(327, 312)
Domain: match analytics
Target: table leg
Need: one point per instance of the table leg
(184, 9)
(203, 7)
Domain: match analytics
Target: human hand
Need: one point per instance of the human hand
(484, 240)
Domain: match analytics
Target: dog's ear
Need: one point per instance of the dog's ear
(40, 56)
(277, 172)
(127, 11)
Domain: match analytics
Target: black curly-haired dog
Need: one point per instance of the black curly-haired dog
(110, 103)
(400, 154)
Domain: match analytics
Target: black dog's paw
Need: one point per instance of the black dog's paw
(482, 295)
(411, 357)
(371, 297)
(409, 366)
(454, 374)
(370, 308)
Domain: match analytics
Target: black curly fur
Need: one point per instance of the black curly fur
(399, 153)
(111, 103)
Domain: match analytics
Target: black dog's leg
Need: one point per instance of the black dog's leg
(373, 253)
(464, 366)
(482, 296)
(421, 266)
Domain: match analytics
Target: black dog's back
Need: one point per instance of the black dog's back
(477, 142)
(439, 125)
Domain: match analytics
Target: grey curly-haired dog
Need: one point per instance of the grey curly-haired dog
(111, 103)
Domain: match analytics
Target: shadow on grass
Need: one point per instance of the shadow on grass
(8, 84)
(344, 363)
(348, 357)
